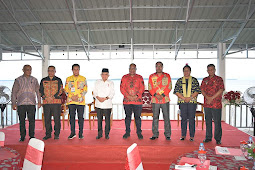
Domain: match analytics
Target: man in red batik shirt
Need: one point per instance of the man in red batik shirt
(132, 88)
(212, 88)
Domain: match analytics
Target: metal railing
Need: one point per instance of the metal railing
(239, 117)
(11, 116)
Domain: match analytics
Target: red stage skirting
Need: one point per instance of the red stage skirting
(90, 153)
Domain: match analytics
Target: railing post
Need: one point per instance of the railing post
(235, 117)
(6, 114)
(123, 111)
(246, 116)
(11, 116)
(16, 117)
(241, 111)
(229, 114)
(37, 111)
(117, 111)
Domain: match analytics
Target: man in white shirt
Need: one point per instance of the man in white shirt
(103, 93)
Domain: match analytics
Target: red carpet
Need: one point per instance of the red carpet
(90, 153)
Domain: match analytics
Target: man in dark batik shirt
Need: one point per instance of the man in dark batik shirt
(51, 88)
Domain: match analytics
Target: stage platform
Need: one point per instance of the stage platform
(90, 153)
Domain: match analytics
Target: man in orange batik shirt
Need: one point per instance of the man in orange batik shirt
(160, 85)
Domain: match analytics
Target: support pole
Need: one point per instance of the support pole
(45, 62)
(221, 69)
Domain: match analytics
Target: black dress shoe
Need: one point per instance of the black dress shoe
(81, 136)
(207, 140)
(107, 137)
(168, 138)
(191, 139)
(126, 135)
(218, 142)
(153, 138)
(56, 137)
(182, 138)
(46, 137)
(22, 139)
(98, 137)
(140, 136)
(71, 136)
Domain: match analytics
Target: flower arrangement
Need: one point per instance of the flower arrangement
(232, 97)
(250, 149)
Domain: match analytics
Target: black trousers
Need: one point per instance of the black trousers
(72, 112)
(49, 110)
(28, 110)
(100, 113)
(213, 114)
(129, 109)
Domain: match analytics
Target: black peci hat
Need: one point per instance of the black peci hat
(105, 70)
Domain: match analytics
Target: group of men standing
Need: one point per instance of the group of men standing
(26, 89)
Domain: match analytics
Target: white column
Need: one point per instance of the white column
(221, 69)
(46, 61)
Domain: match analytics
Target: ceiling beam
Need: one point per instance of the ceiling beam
(188, 13)
(42, 27)
(248, 16)
(174, 34)
(2, 36)
(126, 21)
(135, 29)
(245, 49)
(125, 8)
(220, 29)
(36, 41)
(76, 27)
(8, 48)
(24, 32)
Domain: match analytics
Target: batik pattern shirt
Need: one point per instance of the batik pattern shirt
(51, 90)
(194, 88)
(76, 86)
(161, 85)
(24, 90)
(132, 86)
(211, 86)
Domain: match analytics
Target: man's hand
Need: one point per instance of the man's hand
(130, 97)
(187, 99)
(159, 97)
(75, 98)
(101, 99)
(134, 97)
(209, 100)
(14, 107)
(49, 99)
(39, 105)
